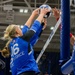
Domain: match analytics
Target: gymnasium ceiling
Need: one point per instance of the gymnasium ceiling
(9, 13)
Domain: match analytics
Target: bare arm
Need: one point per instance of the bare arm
(72, 39)
(56, 13)
(31, 18)
(42, 13)
(34, 28)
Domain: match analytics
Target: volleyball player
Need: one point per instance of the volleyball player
(56, 13)
(20, 45)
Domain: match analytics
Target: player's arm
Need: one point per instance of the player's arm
(72, 39)
(36, 37)
(56, 13)
(36, 25)
(32, 17)
(29, 21)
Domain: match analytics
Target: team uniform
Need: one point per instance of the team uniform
(22, 53)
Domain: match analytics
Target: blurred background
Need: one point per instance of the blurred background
(17, 12)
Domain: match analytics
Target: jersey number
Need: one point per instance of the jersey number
(15, 49)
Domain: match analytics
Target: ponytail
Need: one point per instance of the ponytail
(9, 34)
(6, 52)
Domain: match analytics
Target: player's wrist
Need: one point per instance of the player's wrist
(57, 18)
(71, 35)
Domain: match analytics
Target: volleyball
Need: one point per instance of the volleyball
(48, 7)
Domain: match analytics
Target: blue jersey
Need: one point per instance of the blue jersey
(35, 38)
(22, 58)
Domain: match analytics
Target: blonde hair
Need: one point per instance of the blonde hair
(5, 52)
(9, 34)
